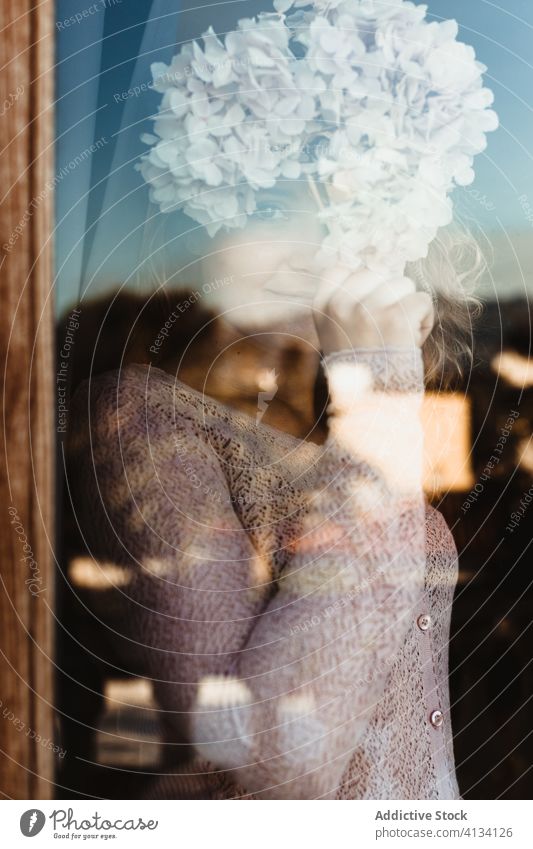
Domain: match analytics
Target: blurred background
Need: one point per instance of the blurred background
(104, 103)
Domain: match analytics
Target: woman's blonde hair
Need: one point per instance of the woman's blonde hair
(450, 273)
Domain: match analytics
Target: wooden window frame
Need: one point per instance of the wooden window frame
(28, 399)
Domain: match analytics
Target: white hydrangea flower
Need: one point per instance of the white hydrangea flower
(395, 104)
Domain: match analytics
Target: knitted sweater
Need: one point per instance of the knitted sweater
(290, 601)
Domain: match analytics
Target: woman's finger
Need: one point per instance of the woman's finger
(346, 288)
(417, 311)
(389, 292)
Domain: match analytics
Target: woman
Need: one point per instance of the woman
(290, 601)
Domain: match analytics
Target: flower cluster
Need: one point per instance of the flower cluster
(394, 103)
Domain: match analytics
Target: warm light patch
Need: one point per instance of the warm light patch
(86, 573)
(391, 420)
(156, 566)
(446, 419)
(128, 734)
(296, 705)
(128, 691)
(348, 381)
(222, 691)
(514, 368)
(525, 455)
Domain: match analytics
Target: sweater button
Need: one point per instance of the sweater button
(436, 718)
(424, 622)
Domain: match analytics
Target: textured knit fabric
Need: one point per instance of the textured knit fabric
(272, 588)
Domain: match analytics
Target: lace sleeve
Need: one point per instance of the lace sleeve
(300, 691)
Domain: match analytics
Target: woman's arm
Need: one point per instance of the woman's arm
(301, 690)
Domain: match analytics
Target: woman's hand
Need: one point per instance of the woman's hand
(362, 311)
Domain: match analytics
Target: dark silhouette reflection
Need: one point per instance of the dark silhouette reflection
(490, 652)
(207, 354)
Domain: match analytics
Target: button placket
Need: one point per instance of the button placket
(434, 716)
